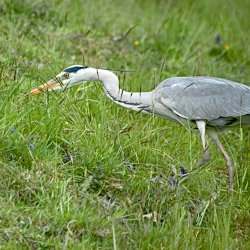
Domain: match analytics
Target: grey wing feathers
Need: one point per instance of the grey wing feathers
(204, 97)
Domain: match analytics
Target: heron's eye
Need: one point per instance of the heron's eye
(66, 75)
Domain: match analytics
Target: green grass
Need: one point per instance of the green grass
(65, 180)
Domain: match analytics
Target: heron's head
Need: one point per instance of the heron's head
(68, 78)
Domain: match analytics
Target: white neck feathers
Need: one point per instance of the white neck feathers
(140, 101)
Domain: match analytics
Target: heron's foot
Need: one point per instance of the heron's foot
(230, 168)
(175, 182)
(184, 172)
(205, 158)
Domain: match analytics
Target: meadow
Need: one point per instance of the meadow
(79, 172)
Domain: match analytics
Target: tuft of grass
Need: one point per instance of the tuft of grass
(78, 172)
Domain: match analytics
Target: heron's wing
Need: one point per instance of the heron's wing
(204, 97)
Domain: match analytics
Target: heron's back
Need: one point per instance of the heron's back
(204, 98)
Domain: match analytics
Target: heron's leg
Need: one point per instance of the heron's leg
(230, 164)
(202, 128)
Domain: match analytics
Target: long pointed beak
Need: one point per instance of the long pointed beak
(46, 86)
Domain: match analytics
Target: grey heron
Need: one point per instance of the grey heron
(210, 104)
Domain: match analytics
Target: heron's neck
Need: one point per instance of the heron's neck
(141, 101)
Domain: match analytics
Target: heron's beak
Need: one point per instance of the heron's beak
(46, 86)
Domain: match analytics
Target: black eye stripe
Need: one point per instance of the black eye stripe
(74, 69)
